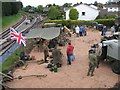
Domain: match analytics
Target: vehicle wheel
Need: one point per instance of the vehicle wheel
(116, 67)
(19, 63)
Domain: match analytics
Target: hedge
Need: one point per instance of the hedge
(69, 23)
(107, 22)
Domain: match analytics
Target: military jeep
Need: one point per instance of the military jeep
(111, 53)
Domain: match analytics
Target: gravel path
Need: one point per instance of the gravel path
(69, 76)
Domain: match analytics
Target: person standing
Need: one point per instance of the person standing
(98, 52)
(85, 30)
(77, 31)
(46, 53)
(92, 62)
(57, 57)
(81, 30)
(112, 29)
(69, 52)
(104, 30)
(101, 28)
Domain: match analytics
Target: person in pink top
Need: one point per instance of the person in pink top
(69, 52)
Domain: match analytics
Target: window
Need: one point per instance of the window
(83, 13)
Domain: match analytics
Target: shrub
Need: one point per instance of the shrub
(73, 14)
(107, 22)
(69, 23)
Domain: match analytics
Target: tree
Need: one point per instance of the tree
(80, 2)
(6, 8)
(15, 7)
(73, 14)
(67, 5)
(48, 5)
(100, 5)
(26, 9)
(96, 3)
(40, 9)
(10, 8)
(54, 13)
(118, 3)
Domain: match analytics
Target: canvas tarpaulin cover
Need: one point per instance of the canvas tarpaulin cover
(45, 33)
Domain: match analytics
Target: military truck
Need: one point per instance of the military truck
(111, 52)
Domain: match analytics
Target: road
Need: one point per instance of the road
(69, 76)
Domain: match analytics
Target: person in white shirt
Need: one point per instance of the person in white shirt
(77, 30)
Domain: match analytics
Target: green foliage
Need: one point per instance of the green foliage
(6, 9)
(68, 23)
(11, 59)
(67, 5)
(6, 65)
(106, 17)
(26, 9)
(118, 3)
(40, 8)
(7, 20)
(54, 13)
(10, 8)
(107, 22)
(96, 3)
(73, 14)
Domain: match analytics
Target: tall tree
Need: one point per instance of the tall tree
(48, 5)
(10, 8)
(100, 5)
(26, 9)
(40, 8)
(67, 5)
(73, 14)
(54, 13)
(6, 8)
(96, 3)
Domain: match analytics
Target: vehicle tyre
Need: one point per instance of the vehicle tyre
(116, 67)
(19, 63)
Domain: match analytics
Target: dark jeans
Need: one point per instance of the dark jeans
(69, 59)
(80, 34)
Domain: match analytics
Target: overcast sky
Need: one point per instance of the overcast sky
(57, 2)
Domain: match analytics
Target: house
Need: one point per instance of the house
(108, 10)
(85, 12)
(114, 1)
(112, 8)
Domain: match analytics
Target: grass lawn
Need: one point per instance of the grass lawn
(5, 66)
(10, 60)
(10, 20)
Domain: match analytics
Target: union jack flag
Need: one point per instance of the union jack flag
(17, 36)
